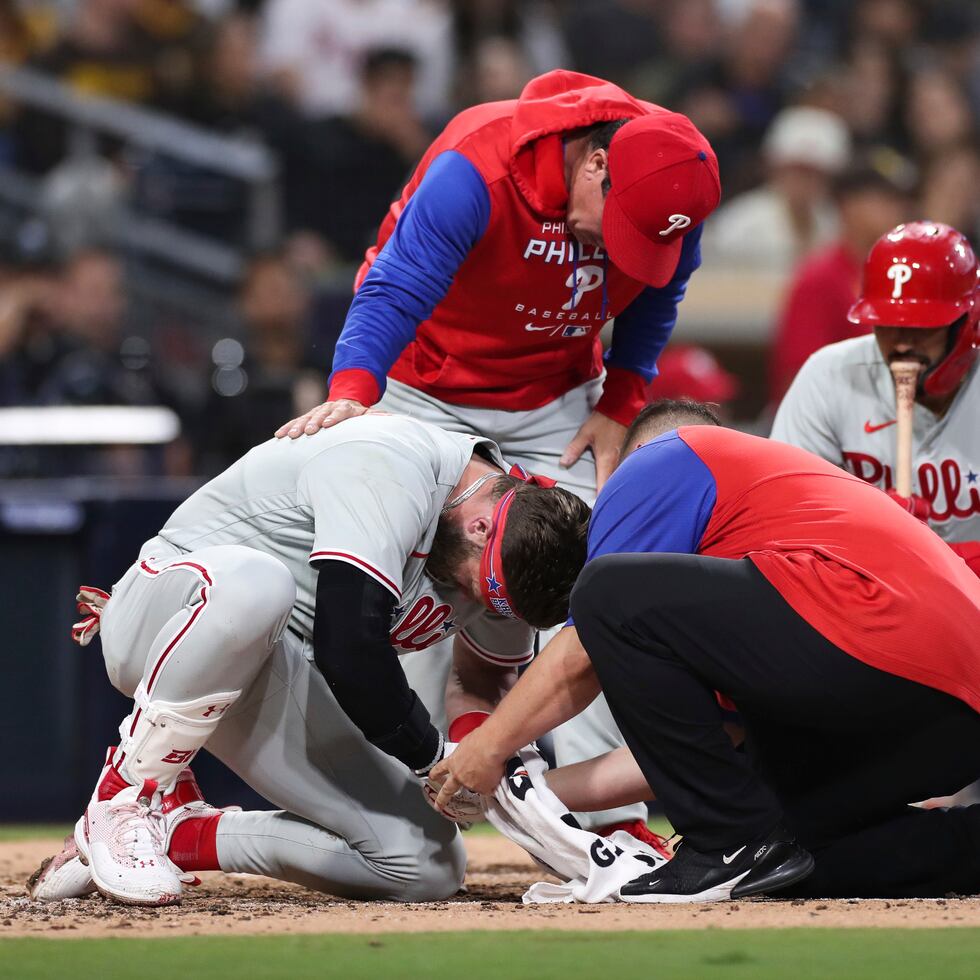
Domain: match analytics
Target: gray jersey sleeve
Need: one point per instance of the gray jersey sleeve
(498, 640)
(371, 507)
(805, 417)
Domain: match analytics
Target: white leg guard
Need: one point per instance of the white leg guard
(160, 738)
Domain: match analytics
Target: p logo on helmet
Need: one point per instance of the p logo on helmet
(900, 274)
(924, 275)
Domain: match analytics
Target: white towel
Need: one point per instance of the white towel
(593, 868)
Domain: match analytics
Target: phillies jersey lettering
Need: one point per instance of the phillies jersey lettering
(563, 250)
(428, 621)
(841, 406)
(562, 314)
(950, 488)
(368, 493)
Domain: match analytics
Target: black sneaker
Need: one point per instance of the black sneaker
(767, 865)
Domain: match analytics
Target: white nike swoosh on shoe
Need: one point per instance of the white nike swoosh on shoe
(728, 858)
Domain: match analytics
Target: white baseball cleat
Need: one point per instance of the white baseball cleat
(61, 876)
(65, 875)
(123, 839)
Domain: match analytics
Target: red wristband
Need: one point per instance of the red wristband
(468, 722)
(356, 384)
(622, 395)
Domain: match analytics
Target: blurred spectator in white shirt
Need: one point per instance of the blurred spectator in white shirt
(314, 49)
(772, 227)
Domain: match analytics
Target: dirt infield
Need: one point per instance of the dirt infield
(499, 873)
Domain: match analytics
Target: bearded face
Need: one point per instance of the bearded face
(449, 551)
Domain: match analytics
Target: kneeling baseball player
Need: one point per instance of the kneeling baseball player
(264, 621)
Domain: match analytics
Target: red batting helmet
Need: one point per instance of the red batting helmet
(924, 274)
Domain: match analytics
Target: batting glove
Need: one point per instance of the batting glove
(465, 808)
(90, 602)
(917, 506)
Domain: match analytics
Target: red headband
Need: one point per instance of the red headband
(492, 582)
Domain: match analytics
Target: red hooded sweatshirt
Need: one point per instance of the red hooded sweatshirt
(518, 325)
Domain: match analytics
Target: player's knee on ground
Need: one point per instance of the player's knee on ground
(426, 864)
(438, 874)
(426, 868)
(280, 845)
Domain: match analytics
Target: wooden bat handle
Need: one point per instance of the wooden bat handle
(906, 374)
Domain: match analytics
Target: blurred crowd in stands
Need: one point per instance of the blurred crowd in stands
(833, 120)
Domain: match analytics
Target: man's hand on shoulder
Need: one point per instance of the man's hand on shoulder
(321, 417)
(604, 437)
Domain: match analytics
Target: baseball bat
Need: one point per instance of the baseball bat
(906, 374)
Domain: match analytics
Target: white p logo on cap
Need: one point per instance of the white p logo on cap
(900, 274)
(676, 221)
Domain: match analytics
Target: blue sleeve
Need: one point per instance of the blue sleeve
(642, 329)
(660, 499)
(442, 221)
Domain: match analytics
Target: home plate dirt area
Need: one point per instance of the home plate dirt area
(499, 873)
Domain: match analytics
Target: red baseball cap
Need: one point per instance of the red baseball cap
(664, 178)
(686, 371)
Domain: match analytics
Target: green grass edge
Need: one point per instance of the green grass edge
(737, 954)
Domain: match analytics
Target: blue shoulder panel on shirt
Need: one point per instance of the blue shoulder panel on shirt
(442, 221)
(660, 499)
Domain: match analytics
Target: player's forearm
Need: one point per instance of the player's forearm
(608, 781)
(557, 686)
(356, 659)
(474, 685)
(381, 323)
(375, 334)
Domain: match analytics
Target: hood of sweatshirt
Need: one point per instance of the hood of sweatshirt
(551, 105)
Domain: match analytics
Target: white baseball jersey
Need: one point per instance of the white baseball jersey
(841, 406)
(368, 492)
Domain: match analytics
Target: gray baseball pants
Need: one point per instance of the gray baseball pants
(352, 820)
